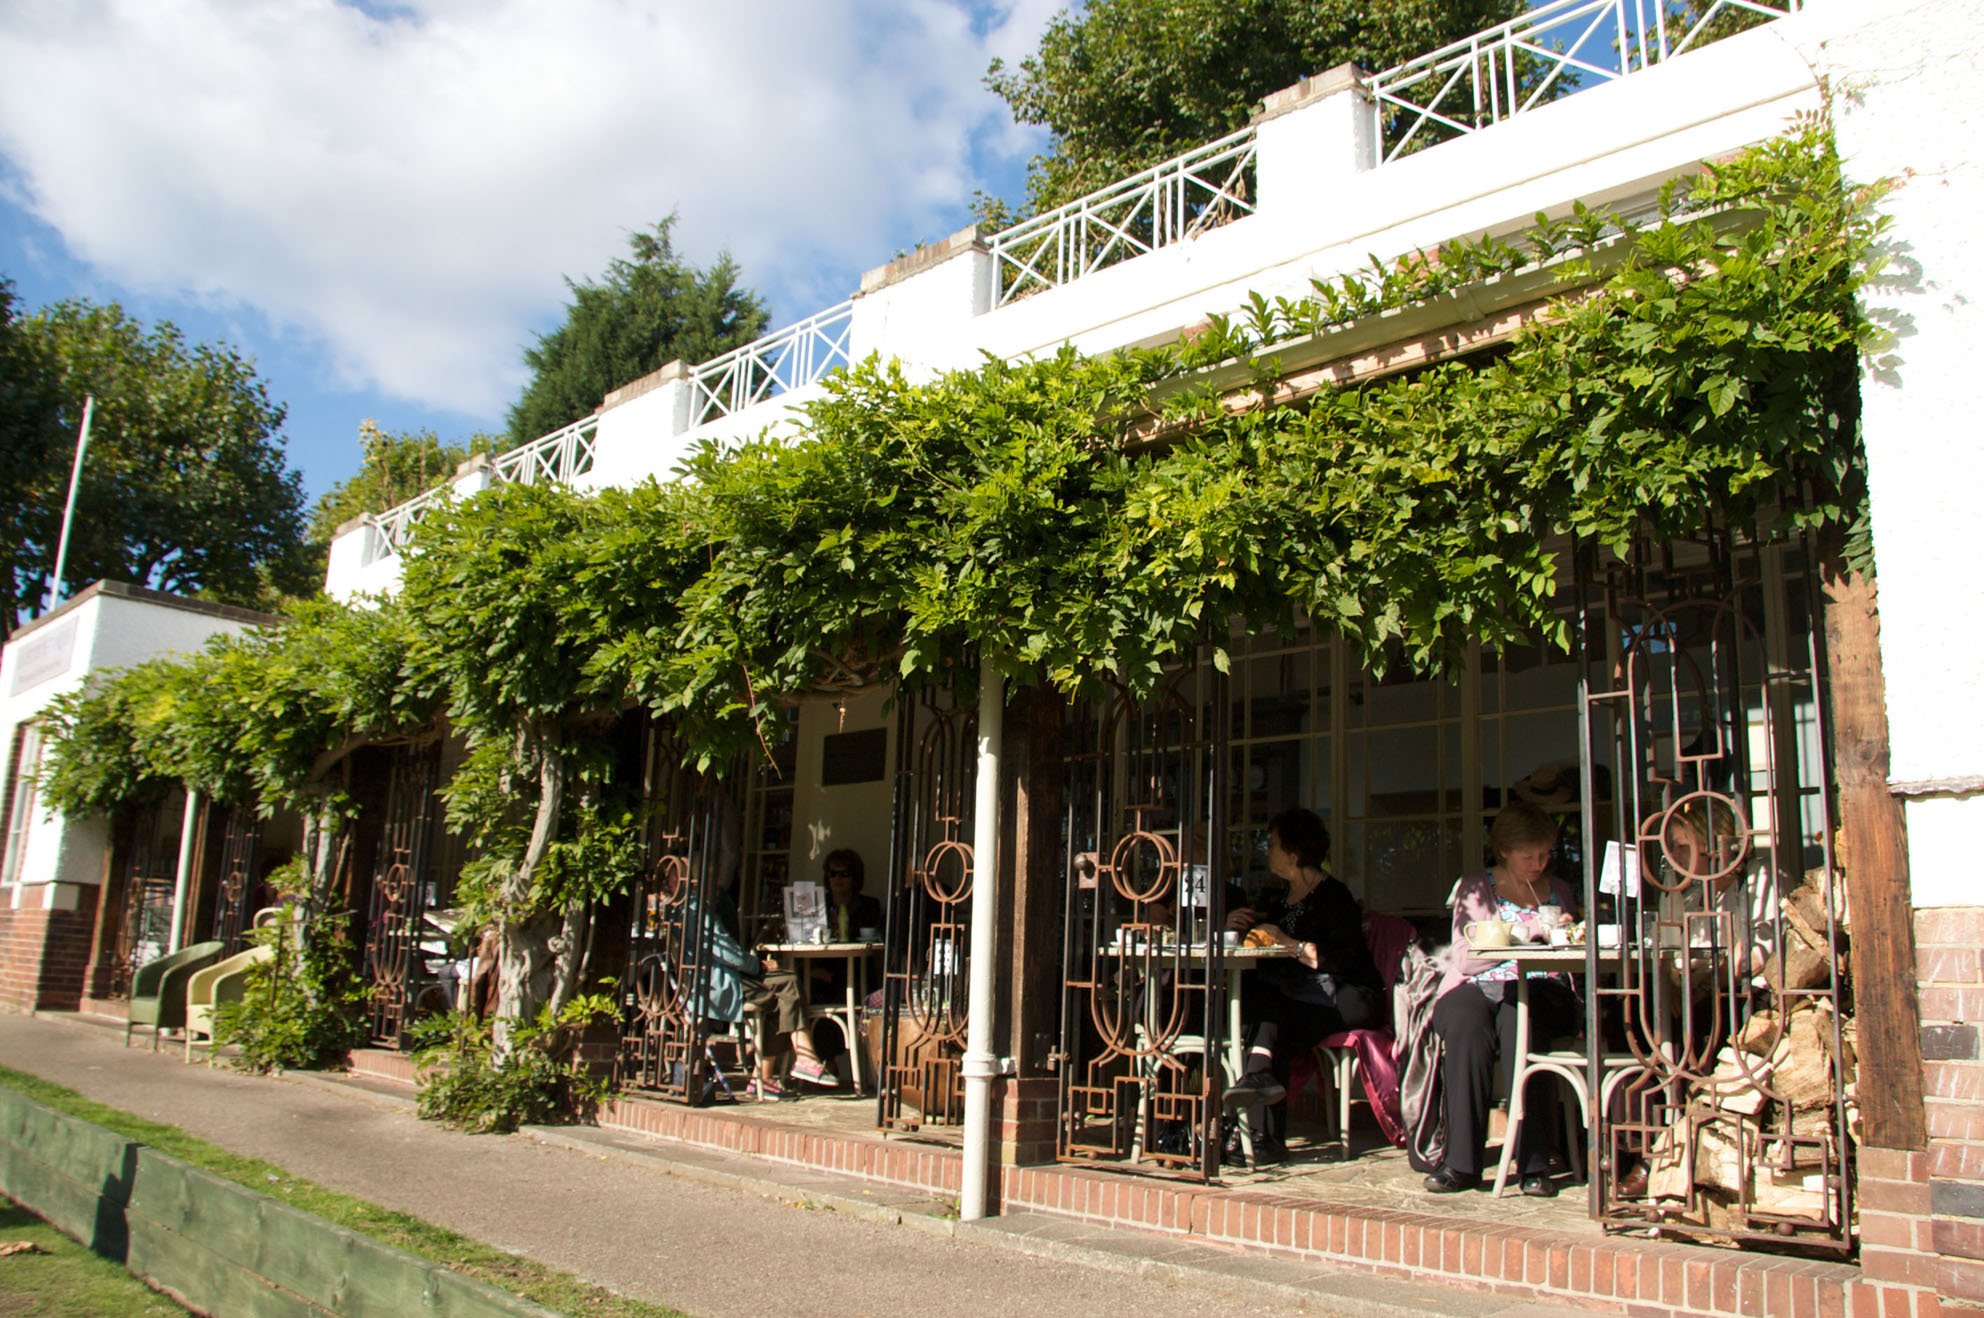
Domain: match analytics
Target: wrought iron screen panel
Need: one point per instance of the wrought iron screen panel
(144, 930)
(241, 836)
(926, 971)
(1168, 203)
(402, 894)
(1143, 1015)
(690, 863)
(1722, 1049)
(1547, 53)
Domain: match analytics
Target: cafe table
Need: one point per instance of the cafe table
(1236, 961)
(1532, 958)
(858, 957)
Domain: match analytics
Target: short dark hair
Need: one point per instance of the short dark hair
(850, 860)
(1303, 835)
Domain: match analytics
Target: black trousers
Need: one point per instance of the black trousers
(1477, 1029)
(1298, 1024)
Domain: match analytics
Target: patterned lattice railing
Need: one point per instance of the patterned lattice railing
(778, 363)
(1179, 199)
(1553, 50)
(397, 524)
(559, 458)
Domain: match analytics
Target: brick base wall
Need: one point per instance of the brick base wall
(1922, 1211)
(43, 955)
(1027, 1113)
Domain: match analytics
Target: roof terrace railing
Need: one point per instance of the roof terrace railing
(558, 458)
(778, 363)
(1167, 203)
(396, 525)
(1557, 48)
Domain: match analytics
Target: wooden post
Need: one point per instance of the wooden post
(1876, 869)
(1031, 897)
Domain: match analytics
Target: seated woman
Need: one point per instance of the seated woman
(738, 979)
(1475, 1013)
(849, 912)
(1329, 985)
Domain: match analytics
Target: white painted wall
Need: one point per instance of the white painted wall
(1904, 74)
(1323, 211)
(855, 815)
(103, 628)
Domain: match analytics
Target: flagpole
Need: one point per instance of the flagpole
(69, 509)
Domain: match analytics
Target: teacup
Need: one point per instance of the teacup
(1488, 933)
(1230, 939)
(871, 935)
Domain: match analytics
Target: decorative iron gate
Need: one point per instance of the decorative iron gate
(1143, 1019)
(1729, 1055)
(150, 873)
(926, 973)
(403, 892)
(691, 859)
(241, 838)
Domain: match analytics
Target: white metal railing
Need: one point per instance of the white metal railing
(778, 363)
(397, 523)
(558, 458)
(1558, 47)
(1181, 198)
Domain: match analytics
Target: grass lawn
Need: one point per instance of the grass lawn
(546, 1286)
(65, 1281)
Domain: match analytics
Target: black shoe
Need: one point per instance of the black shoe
(1269, 1151)
(1539, 1187)
(1256, 1087)
(1449, 1181)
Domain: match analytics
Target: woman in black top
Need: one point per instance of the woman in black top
(1330, 984)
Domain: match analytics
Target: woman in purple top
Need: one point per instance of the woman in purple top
(1475, 1013)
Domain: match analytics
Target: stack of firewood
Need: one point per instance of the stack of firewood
(1756, 1135)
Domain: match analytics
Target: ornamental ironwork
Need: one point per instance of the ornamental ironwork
(1720, 1049)
(397, 969)
(235, 886)
(926, 970)
(691, 857)
(1144, 1031)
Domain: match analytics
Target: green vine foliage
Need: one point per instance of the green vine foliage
(465, 1084)
(1071, 519)
(302, 1010)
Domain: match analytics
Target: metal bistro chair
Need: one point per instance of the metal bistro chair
(1337, 1068)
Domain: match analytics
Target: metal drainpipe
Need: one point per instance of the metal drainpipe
(980, 1061)
(184, 879)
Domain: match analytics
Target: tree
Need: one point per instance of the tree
(28, 426)
(396, 466)
(645, 313)
(186, 487)
(1128, 83)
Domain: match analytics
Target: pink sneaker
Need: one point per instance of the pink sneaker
(769, 1091)
(814, 1072)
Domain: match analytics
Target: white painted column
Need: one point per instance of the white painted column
(981, 1062)
(183, 880)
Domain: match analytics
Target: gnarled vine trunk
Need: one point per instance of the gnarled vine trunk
(526, 956)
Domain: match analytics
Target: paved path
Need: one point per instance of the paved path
(704, 1232)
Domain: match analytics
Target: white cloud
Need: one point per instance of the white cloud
(410, 189)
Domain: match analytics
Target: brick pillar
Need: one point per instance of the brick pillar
(1941, 1192)
(44, 953)
(1031, 901)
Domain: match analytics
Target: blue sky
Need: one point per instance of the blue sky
(380, 203)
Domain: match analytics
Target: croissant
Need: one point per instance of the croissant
(1259, 938)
